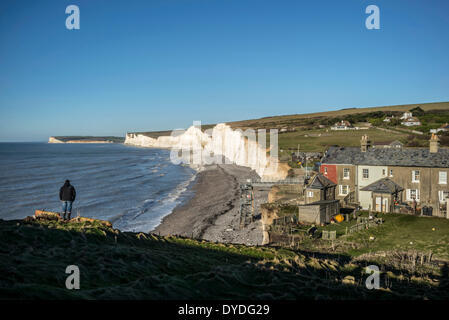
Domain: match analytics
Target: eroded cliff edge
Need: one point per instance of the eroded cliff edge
(221, 144)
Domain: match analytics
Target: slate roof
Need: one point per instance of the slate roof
(384, 185)
(404, 157)
(320, 182)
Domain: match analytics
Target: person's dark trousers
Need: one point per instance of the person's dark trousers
(67, 208)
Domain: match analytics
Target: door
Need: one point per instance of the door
(385, 205)
(378, 204)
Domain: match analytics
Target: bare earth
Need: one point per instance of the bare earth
(213, 212)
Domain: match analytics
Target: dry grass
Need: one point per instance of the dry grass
(278, 121)
(290, 118)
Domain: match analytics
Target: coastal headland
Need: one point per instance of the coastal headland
(85, 139)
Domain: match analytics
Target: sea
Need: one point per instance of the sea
(134, 188)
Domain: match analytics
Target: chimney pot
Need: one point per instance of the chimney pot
(434, 143)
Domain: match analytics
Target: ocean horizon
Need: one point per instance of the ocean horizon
(134, 188)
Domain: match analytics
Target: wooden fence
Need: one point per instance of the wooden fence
(363, 224)
(329, 235)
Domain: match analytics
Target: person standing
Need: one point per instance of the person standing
(67, 195)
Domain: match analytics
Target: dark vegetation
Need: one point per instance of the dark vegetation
(115, 265)
(107, 138)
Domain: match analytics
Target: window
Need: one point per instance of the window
(310, 194)
(442, 177)
(346, 173)
(384, 172)
(412, 194)
(391, 172)
(365, 173)
(415, 176)
(443, 195)
(325, 170)
(344, 190)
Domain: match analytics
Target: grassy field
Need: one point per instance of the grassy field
(399, 232)
(320, 140)
(115, 265)
(304, 122)
(286, 120)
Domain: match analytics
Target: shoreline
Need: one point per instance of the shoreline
(212, 213)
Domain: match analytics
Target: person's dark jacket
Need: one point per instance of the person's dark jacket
(67, 192)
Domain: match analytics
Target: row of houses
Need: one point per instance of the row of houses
(407, 119)
(382, 178)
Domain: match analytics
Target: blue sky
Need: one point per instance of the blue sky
(160, 64)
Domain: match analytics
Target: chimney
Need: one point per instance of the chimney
(365, 143)
(434, 143)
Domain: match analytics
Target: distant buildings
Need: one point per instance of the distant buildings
(384, 179)
(388, 119)
(302, 156)
(394, 144)
(342, 125)
(409, 120)
(443, 128)
(346, 125)
(406, 115)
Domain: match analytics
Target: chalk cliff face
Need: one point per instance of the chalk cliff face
(54, 140)
(219, 145)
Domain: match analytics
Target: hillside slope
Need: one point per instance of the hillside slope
(115, 265)
(285, 120)
(295, 119)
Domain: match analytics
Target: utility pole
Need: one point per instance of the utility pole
(307, 171)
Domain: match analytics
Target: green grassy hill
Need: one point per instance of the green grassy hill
(122, 265)
(311, 131)
(307, 118)
(300, 119)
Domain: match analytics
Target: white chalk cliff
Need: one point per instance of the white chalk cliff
(54, 140)
(212, 146)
